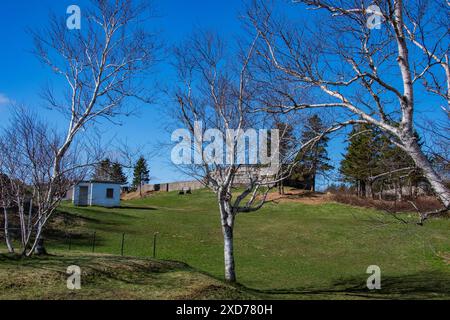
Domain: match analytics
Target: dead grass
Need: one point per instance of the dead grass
(136, 195)
(106, 277)
(424, 204)
(300, 196)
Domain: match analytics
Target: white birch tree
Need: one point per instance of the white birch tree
(103, 65)
(375, 75)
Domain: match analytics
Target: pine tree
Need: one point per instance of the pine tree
(117, 174)
(286, 144)
(141, 174)
(362, 158)
(313, 161)
(103, 171)
(370, 154)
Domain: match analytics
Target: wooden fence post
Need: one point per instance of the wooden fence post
(154, 245)
(123, 241)
(93, 241)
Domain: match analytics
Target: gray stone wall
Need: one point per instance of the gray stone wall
(173, 186)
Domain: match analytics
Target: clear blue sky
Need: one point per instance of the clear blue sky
(22, 76)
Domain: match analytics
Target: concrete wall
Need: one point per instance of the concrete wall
(242, 178)
(97, 194)
(174, 186)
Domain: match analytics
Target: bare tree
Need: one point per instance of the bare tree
(6, 204)
(214, 93)
(103, 65)
(371, 75)
(216, 98)
(28, 147)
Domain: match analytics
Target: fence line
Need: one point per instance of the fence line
(96, 241)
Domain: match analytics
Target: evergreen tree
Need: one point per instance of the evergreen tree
(369, 154)
(111, 172)
(103, 171)
(141, 174)
(313, 161)
(286, 144)
(117, 174)
(362, 157)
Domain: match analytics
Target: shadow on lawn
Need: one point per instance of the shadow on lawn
(95, 268)
(427, 285)
(137, 208)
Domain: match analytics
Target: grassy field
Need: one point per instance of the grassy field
(285, 251)
(108, 277)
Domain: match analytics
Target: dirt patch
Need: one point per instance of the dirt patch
(445, 256)
(136, 195)
(300, 196)
(424, 204)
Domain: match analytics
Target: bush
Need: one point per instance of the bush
(423, 203)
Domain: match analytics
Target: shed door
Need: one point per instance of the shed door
(83, 198)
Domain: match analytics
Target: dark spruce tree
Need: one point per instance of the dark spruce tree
(372, 161)
(117, 174)
(286, 146)
(313, 161)
(361, 161)
(141, 174)
(103, 171)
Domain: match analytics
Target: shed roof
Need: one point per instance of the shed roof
(100, 182)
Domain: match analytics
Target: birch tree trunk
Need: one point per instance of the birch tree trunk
(38, 247)
(7, 238)
(230, 273)
(422, 162)
(227, 230)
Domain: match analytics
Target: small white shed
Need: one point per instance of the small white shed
(97, 193)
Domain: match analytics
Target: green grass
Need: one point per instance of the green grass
(108, 277)
(286, 250)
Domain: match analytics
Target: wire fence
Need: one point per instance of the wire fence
(123, 244)
(98, 242)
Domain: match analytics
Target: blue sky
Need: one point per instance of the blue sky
(22, 76)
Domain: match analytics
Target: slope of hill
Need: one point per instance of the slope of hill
(291, 249)
(108, 277)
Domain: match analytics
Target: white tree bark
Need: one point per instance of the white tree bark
(227, 218)
(282, 52)
(230, 273)
(422, 162)
(7, 236)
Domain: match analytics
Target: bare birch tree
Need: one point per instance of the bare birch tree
(374, 75)
(103, 65)
(216, 98)
(6, 204)
(28, 147)
(209, 96)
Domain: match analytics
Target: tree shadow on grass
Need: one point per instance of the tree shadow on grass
(67, 225)
(426, 285)
(137, 208)
(98, 267)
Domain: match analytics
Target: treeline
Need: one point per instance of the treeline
(110, 171)
(375, 166)
(308, 164)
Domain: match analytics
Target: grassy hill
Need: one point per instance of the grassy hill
(108, 277)
(287, 250)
